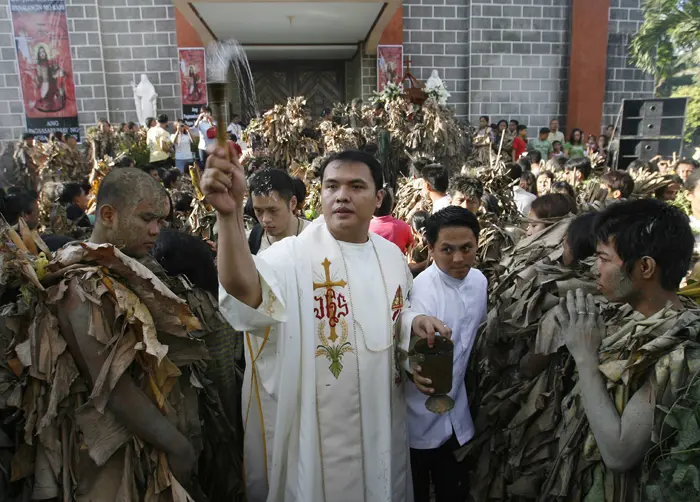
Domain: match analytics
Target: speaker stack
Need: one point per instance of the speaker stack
(651, 127)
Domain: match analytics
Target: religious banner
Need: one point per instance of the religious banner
(389, 65)
(193, 84)
(45, 67)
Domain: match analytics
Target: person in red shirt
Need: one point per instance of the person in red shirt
(520, 143)
(385, 225)
(233, 144)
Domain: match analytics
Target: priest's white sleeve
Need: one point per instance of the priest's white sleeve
(273, 270)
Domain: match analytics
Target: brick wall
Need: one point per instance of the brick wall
(519, 60)
(369, 75)
(112, 43)
(436, 37)
(623, 80)
(88, 64)
(138, 36)
(11, 108)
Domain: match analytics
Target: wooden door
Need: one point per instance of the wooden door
(322, 83)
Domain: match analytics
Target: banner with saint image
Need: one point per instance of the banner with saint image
(389, 65)
(193, 82)
(45, 67)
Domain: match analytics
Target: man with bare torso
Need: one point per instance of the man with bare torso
(131, 207)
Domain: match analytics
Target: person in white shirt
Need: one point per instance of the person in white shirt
(203, 123)
(182, 141)
(692, 187)
(522, 192)
(435, 184)
(235, 127)
(455, 292)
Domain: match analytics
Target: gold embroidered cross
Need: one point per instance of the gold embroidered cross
(331, 310)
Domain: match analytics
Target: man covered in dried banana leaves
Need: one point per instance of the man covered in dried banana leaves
(105, 371)
(612, 417)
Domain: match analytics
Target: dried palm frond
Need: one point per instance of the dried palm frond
(285, 132)
(337, 138)
(436, 132)
(410, 199)
(646, 183)
(312, 207)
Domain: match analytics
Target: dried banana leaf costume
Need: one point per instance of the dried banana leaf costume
(68, 443)
(532, 438)
(25, 171)
(221, 461)
(665, 349)
(508, 406)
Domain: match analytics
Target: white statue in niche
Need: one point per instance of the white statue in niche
(145, 97)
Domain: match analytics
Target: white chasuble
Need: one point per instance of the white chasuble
(323, 405)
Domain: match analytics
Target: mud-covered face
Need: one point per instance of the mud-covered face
(135, 228)
(612, 280)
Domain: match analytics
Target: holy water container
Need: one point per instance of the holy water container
(436, 364)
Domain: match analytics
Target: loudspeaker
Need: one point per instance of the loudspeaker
(651, 127)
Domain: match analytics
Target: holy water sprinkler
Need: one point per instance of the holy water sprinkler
(220, 57)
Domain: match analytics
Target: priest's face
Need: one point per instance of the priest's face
(349, 198)
(454, 251)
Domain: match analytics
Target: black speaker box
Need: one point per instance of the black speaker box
(651, 127)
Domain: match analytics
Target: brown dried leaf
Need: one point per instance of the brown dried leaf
(102, 433)
(169, 312)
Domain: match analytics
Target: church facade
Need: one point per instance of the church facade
(531, 60)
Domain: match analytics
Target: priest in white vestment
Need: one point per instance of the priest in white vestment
(326, 322)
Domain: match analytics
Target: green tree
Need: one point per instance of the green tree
(668, 46)
(692, 112)
(668, 42)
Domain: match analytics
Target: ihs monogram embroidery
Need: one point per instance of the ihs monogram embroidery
(332, 306)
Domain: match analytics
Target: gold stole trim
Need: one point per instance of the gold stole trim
(254, 385)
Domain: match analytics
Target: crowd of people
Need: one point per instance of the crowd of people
(183, 330)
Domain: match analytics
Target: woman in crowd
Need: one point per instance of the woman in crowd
(575, 148)
(182, 140)
(591, 145)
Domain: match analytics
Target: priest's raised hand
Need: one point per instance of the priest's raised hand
(223, 183)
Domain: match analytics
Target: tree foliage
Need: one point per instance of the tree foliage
(668, 41)
(692, 112)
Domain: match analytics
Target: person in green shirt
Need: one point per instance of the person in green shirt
(542, 144)
(575, 148)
